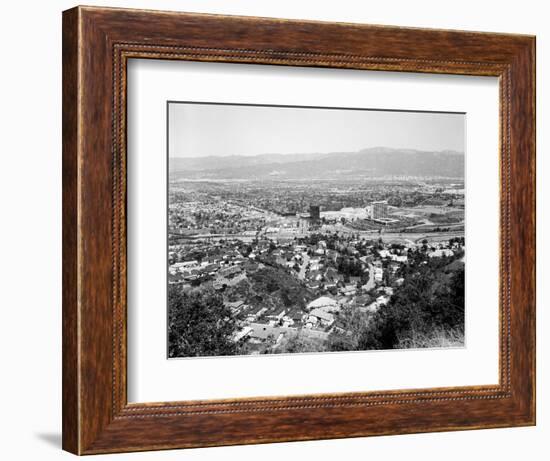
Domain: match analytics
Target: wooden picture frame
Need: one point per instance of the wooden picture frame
(97, 43)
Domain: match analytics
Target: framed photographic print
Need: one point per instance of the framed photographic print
(284, 230)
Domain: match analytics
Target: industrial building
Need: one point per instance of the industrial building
(378, 210)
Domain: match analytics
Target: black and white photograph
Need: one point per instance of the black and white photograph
(313, 229)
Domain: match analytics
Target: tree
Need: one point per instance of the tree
(431, 300)
(199, 324)
(428, 300)
(353, 327)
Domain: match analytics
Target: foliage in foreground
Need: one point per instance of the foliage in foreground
(299, 343)
(438, 338)
(427, 311)
(199, 324)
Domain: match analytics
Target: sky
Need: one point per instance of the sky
(200, 130)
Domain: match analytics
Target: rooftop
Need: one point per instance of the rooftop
(323, 301)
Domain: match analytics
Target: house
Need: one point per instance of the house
(324, 303)
(236, 306)
(262, 332)
(380, 301)
(361, 300)
(287, 321)
(230, 271)
(323, 317)
(242, 334)
(310, 321)
(189, 264)
(277, 315)
(183, 266)
(348, 290)
(315, 264)
(332, 277)
(440, 253)
(210, 269)
(295, 314)
(255, 313)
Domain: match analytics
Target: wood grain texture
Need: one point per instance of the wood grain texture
(97, 43)
(70, 384)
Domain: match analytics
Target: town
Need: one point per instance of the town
(308, 266)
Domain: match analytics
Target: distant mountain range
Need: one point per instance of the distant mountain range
(373, 162)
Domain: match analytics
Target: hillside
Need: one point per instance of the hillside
(373, 162)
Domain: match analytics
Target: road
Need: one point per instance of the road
(370, 283)
(303, 267)
(408, 237)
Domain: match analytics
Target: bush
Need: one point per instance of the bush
(439, 337)
(199, 324)
(426, 311)
(429, 301)
(299, 342)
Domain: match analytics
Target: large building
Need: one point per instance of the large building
(305, 221)
(379, 210)
(315, 213)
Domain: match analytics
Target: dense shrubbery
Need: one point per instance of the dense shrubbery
(429, 305)
(426, 311)
(282, 287)
(438, 337)
(199, 324)
(349, 267)
(352, 332)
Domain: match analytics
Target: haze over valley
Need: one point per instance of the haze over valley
(372, 162)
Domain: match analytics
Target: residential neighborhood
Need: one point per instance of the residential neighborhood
(283, 275)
